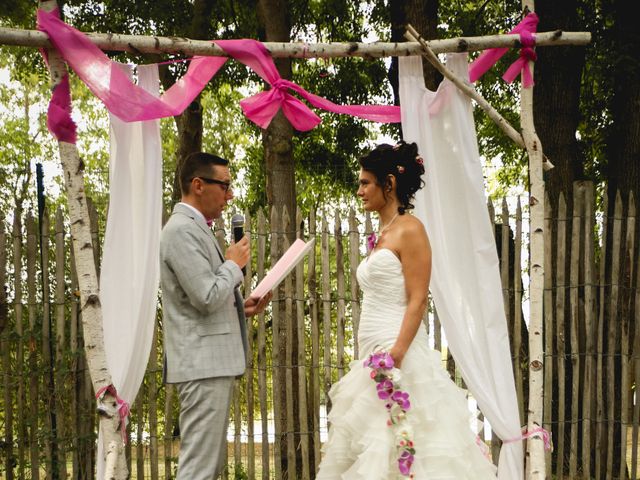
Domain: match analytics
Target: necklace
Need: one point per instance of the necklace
(372, 240)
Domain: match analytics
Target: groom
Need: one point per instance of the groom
(205, 339)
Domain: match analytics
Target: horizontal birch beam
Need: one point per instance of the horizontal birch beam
(187, 47)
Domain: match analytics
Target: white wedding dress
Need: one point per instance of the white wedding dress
(360, 444)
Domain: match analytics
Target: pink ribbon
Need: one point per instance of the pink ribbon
(526, 28)
(123, 408)
(131, 103)
(110, 84)
(262, 107)
(59, 119)
(536, 432)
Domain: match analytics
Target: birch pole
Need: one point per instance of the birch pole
(137, 44)
(73, 169)
(535, 458)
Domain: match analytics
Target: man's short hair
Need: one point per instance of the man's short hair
(197, 164)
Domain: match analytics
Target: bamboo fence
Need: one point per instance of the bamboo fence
(305, 342)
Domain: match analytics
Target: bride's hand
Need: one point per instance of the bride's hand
(398, 355)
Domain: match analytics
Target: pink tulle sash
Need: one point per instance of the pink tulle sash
(131, 103)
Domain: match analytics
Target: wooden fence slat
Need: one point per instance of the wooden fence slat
(288, 339)
(600, 452)
(574, 312)
(169, 394)
(354, 261)
(560, 330)
(139, 416)
(326, 314)
(249, 377)
(548, 327)
(315, 345)
(517, 311)
(302, 360)
(78, 426)
(277, 361)
(635, 355)
(340, 313)
(590, 322)
(504, 263)
(43, 324)
(625, 325)
(34, 380)
(60, 341)
(6, 349)
(152, 399)
(21, 436)
(613, 332)
(237, 392)
(262, 350)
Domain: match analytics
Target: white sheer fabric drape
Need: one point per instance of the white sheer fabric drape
(465, 283)
(130, 267)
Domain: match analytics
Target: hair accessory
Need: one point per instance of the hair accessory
(400, 168)
(419, 160)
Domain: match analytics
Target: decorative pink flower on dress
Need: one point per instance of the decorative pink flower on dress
(372, 241)
(396, 403)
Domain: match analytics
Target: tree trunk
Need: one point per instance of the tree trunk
(623, 177)
(189, 123)
(277, 141)
(73, 169)
(623, 145)
(557, 100)
(423, 16)
(557, 116)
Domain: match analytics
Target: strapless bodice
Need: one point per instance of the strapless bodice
(384, 300)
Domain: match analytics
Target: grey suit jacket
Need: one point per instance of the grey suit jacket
(203, 311)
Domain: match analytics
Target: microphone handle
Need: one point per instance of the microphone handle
(238, 233)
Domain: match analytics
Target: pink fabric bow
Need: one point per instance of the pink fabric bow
(526, 28)
(261, 108)
(536, 432)
(131, 103)
(123, 408)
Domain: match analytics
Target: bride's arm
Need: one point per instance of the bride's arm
(415, 255)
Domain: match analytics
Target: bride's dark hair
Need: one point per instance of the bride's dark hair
(403, 162)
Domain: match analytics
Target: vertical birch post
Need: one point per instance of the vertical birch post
(72, 167)
(535, 446)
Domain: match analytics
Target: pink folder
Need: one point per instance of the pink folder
(283, 267)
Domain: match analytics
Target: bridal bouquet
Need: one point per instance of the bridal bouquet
(397, 404)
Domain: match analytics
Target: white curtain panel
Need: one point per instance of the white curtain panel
(465, 283)
(130, 268)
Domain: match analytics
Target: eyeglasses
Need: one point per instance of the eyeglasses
(226, 186)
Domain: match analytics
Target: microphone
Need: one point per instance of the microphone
(237, 227)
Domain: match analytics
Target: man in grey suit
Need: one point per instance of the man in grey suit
(205, 340)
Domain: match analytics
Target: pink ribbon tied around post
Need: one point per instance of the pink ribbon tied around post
(536, 432)
(122, 406)
(526, 29)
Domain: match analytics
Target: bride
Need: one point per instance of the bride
(409, 421)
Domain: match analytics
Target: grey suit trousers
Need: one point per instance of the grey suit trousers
(204, 418)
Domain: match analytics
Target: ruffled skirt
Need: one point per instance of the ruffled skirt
(361, 445)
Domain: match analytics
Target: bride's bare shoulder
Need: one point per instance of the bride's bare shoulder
(412, 225)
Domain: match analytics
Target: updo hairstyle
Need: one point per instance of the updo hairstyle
(403, 162)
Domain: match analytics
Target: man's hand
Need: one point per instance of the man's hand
(253, 306)
(238, 252)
